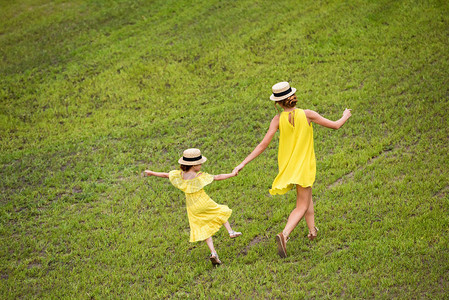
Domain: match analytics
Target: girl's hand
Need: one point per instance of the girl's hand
(347, 113)
(148, 173)
(238, 168)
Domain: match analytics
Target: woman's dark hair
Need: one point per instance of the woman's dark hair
(289, 102)
(185, 168)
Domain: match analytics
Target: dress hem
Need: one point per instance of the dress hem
(281, 191)
(214, 227)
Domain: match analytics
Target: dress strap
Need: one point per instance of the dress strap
(291, 117)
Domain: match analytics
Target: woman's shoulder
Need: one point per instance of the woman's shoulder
(296, 109)
(286, 113)
(276, 118)
(274, 124)
(308, 112)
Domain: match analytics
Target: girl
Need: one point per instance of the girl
(296, 157)
(205, 216)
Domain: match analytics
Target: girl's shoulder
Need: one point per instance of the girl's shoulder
(202, 175)
(190, 185)
(174, 173)
(180, 174)
(191, 176)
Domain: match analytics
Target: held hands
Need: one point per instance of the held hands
(238, 168)
(225, 176)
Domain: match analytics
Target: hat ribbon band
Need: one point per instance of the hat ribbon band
(192, 158)
(283, 93)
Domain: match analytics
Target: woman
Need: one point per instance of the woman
(296, 157)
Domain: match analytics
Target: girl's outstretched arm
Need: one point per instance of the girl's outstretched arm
(158, 174)
(224, 176)
(274, 126)
(315, 117)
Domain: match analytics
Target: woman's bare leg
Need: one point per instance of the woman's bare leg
(303, 199)
(310, 216)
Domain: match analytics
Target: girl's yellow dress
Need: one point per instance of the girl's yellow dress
(296, 156)
(205, 216)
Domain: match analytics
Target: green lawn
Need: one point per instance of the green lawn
(94, 92)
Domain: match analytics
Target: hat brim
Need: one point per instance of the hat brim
(274, 98)
(181, 161)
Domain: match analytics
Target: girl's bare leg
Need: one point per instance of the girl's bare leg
(232, 233)
(310, 216)
(303, 199)
(227, 226)
(210, 244)
(214, 256)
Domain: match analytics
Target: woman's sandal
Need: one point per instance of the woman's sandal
(214, 259)
(233, 234)
(313, 235)
(282, 245)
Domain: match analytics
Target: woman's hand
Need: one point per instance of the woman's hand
(238, 168)
(347, 113)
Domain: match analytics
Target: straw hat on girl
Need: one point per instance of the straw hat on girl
(192, 157)
(281, 91)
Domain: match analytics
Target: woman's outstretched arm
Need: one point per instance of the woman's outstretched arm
(158, 174)
(274, 126)
(315, 117)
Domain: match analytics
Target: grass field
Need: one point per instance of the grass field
(94, 92)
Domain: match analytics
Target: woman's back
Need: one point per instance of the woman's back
(296, 156)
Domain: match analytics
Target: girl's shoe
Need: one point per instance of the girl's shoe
(214, 259)
(282, 245)
(312, 235)
(234, 234)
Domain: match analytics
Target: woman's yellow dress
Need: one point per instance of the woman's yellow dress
(205, 216)
(296, 156)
